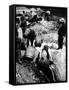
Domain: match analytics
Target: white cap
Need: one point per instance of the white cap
(62, 20)
(48, 12)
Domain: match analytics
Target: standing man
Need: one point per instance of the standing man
(61, 32)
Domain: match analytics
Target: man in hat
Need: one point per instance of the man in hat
(61, 32)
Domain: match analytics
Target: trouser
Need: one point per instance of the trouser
(31, 41)
(60, 41)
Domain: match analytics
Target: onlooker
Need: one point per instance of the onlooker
(61, 33)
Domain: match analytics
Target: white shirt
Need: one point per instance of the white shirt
(20, 33)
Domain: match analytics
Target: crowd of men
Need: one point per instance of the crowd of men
(30, 46)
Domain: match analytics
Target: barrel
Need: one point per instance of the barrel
(30, 51)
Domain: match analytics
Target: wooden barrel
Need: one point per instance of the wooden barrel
(30, 51)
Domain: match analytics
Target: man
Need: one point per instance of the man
(48, 15)
(30, 35)
(44, 63)
(61, 33)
